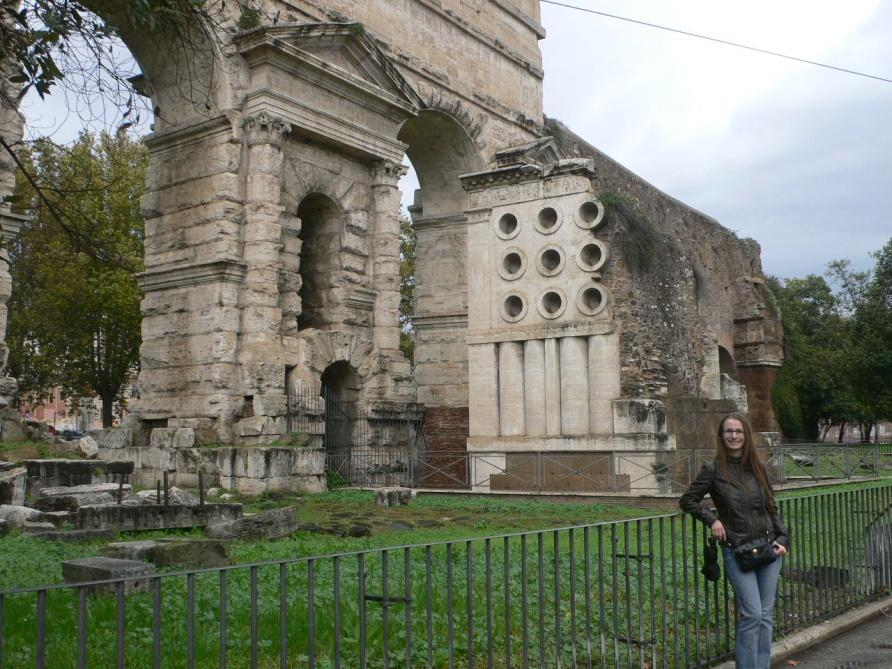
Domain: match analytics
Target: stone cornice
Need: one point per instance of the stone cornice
(216, 271)
(501, 176)
(325, 126)
(10, 225)
(179, 136)
(361, 299)
(545, 331)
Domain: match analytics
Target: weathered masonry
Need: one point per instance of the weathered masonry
(562, 303)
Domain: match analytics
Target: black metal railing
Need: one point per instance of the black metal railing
(666, 472)
(614, 594)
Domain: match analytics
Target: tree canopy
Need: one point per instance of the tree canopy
(75, 319)
(838, 345)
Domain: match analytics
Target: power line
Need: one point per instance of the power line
(718, 41)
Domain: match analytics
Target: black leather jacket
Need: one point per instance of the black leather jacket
(739, 501)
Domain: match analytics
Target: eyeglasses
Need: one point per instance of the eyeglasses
(732, 431)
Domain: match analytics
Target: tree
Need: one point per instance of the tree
(407, 287)
(812, 392)
(75, 319)
(838, 344)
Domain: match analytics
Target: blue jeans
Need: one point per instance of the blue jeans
(755, 592)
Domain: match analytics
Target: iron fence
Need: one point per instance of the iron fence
(659, 472)
(614, 594)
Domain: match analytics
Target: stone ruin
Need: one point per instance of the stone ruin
(563, 305)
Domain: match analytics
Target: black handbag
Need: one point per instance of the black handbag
(753, 554)
(710, 569)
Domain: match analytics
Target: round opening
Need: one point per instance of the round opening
(513, 306)
(592, 299)
(590, 214)
(552, 302)
(590, 254)
(508, 224)
(551, 259)
(548, 218)
(512, 263)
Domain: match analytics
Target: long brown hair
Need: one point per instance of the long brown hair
(749, 458)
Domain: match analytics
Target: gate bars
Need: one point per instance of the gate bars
(613, 594)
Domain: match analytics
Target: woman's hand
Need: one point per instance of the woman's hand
(779, 550)
(718, 531)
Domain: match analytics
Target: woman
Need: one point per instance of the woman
(738, 485)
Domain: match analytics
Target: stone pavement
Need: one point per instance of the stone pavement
(866, 645)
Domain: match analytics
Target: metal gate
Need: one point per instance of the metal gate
(368, 444)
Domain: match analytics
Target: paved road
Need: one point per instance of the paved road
(867, 646)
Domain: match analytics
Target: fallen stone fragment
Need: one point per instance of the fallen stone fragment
(4, 527)
(272, 524)
(29, 527)
(396, 496)
(175, 496)
(17, 516)
(87, 448)
(133, 550)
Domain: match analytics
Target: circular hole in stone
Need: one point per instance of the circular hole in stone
(551, 259)
(552, 302)
(512, 263)
(589, 212)
(508, 224)
(513, 306)
(590, 255)
(548, 218)
(592, 299)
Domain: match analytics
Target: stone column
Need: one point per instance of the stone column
(386, 254)
(534, 386)
(511, 402)
(11, 124)
(574, 385)
(261, 313)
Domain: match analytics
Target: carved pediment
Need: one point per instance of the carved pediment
(339, 50)
(540, 152)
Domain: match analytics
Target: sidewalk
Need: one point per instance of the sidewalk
(858, 638)
(866, 645)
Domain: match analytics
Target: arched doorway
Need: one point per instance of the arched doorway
(340, 389)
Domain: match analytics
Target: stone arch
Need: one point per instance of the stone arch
(441, 149)
(184, 70)
(726, 362)
(321, 223)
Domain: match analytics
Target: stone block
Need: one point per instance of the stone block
(12, 486)
(74, 536)
(85, 570)
(133, 550)
(113, 437)
(93, 488)
(154, 516)
(73, 502)
(193, 553)
(273, 524)
(639, 417)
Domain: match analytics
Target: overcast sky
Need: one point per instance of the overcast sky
(795, 156)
